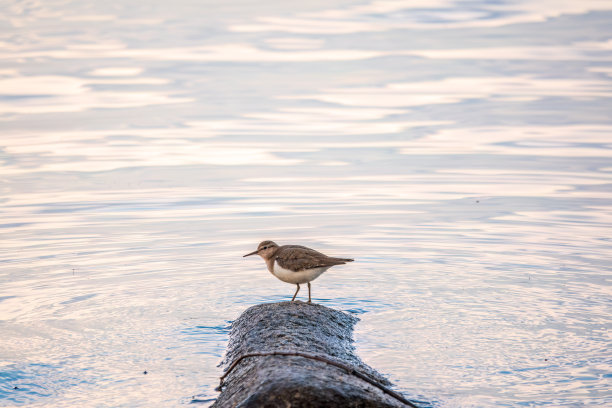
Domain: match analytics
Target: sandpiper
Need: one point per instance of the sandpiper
(295, 263)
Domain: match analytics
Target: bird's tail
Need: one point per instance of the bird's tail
(342, 260)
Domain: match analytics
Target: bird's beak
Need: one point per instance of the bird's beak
(252, 253)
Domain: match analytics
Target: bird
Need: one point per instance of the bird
(295, 263)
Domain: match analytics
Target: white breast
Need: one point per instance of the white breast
(304, 276)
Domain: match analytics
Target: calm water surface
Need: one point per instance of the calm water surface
(460, 151)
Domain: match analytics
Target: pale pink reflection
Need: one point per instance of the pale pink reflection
(284, 123)
(295, 43)
(236, 52)
(604, 70)
(418, 15)
(72, 94)
(559, 141)
(454, 90)
(295, 121)
(117, 71)
(165, 147)
(593, 51)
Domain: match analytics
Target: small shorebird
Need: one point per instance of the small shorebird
(295, 263)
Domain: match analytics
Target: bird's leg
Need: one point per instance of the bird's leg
(309, 301)
(295, 294)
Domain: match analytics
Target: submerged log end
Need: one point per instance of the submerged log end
(298, 355)
(298, 394)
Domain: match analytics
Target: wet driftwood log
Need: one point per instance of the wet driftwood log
(294, 354)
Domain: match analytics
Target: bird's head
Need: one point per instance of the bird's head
(265, 249)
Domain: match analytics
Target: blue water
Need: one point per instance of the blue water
(461, 152)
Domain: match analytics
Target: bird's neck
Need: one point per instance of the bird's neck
(270, 263)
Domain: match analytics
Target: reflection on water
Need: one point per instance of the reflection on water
(460, 152)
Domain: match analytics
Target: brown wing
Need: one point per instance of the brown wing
(298, 258)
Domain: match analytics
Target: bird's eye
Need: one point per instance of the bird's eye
(265, 247)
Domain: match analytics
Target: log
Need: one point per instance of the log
(299, 355)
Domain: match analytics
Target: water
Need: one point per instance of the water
(460, 151)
